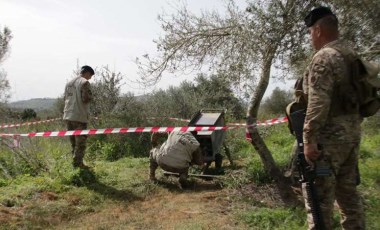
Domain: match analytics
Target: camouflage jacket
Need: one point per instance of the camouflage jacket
(325, 72)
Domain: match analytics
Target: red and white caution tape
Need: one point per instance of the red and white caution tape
(273, 121)
(178, 119)
(119, 130)
(263, 123)
(3, 126)
(169, 118)
(16, 142)
(136, 129)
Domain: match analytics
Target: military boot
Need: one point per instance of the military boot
(185, 184)
(152, 170)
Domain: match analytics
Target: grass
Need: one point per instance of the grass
(46, 201)
(279, 142)
(278, 218)
(370, 179)
(117, 194)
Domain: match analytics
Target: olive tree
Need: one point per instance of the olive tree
(276, 103)
(5, 38)
(4, 87)
(106, 91)
(207, 92)
(248, 44)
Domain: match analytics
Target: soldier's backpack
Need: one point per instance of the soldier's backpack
(369, 89)
(361, 89)
(364, 82)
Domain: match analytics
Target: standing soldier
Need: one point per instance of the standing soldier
(332, 124)
(76, 112)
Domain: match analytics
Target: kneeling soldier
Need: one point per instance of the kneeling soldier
(175, 155)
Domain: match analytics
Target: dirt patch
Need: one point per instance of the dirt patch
(48, 196)
(43, 209)
(205, 206)
(72, 199)
(267, 195)
(10, 214)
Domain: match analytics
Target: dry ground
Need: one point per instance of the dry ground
(206, 206)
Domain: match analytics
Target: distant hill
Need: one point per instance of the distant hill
(37, 104)
(40, 104)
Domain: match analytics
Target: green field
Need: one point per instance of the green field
(43, 191)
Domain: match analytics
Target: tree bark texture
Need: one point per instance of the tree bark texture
(253, 109)
(258, 143)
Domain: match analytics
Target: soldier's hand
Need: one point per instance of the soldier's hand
(311, 153)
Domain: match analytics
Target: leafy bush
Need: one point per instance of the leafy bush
(238, 145)
(208, 92)
(28, 114)
(371, 125)
(276, 103)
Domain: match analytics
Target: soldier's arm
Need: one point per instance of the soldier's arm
(86, 93)
(321, 83)
(156, 138)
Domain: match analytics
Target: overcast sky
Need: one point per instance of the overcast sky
(51, 35)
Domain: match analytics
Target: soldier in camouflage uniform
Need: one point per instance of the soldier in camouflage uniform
(76, 112)
(332, 122)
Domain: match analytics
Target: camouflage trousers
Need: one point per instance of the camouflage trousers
(340, 186)
(78, 143)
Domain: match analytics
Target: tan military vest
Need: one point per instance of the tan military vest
(177, 151)
(75, 109)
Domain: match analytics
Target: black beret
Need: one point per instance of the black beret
(316, 14)
(87, 68)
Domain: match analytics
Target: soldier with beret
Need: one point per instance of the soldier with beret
(77, 98)
(331, 131)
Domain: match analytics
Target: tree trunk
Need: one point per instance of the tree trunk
(258, 143)
(253, 109)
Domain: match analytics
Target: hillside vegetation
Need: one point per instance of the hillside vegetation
(45, 192)
(235, 53)
(37, 104)
(39, 189)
